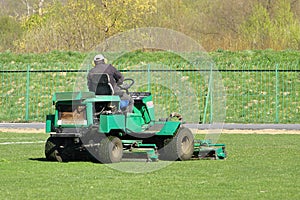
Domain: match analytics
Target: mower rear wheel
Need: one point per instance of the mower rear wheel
(51, 150)
(110, 150)
(181, 147)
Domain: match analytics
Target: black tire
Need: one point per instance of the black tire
(52, 151)
(110, 150)
(180, 147)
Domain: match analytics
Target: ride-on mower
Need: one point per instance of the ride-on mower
(96, 126)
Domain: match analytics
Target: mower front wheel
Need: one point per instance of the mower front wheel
(180, 147)
(110, 150)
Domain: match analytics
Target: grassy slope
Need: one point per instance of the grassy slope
(225, 57)
(249, 93)
(258, 167)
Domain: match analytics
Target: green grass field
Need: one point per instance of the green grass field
(258, 167)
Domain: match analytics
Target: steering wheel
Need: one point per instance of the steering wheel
(126, 86)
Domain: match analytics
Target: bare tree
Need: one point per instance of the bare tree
(41, 3)
(28, 7)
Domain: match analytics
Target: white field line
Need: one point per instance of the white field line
(10, 143)
(16, 138)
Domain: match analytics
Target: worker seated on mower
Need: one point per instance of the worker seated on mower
(105, 79)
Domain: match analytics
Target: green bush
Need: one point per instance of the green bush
(10, 31)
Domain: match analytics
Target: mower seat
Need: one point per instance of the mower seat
(102, 85)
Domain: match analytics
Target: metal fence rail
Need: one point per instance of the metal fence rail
(256, 93)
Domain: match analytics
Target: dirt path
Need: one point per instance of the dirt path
(263, 131)
(236, 131)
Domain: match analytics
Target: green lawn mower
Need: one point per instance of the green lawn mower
(89, 126)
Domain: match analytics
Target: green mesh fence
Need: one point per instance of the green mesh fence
(255, 93)
(263, 93)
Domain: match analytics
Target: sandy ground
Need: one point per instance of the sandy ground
(263, 131)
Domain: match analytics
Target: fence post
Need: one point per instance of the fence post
(211, 95)
(276, 97)
(208, 96)
(27, 93)
(149, 78)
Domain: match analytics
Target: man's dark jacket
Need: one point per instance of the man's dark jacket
(116, 78)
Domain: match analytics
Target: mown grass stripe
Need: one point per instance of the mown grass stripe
(10, 143)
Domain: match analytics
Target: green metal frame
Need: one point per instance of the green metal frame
(138, 148)
(206, 149)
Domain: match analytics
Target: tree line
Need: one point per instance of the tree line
(79, 25)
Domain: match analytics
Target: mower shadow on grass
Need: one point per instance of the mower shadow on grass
(50, 161)
(39, 159)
